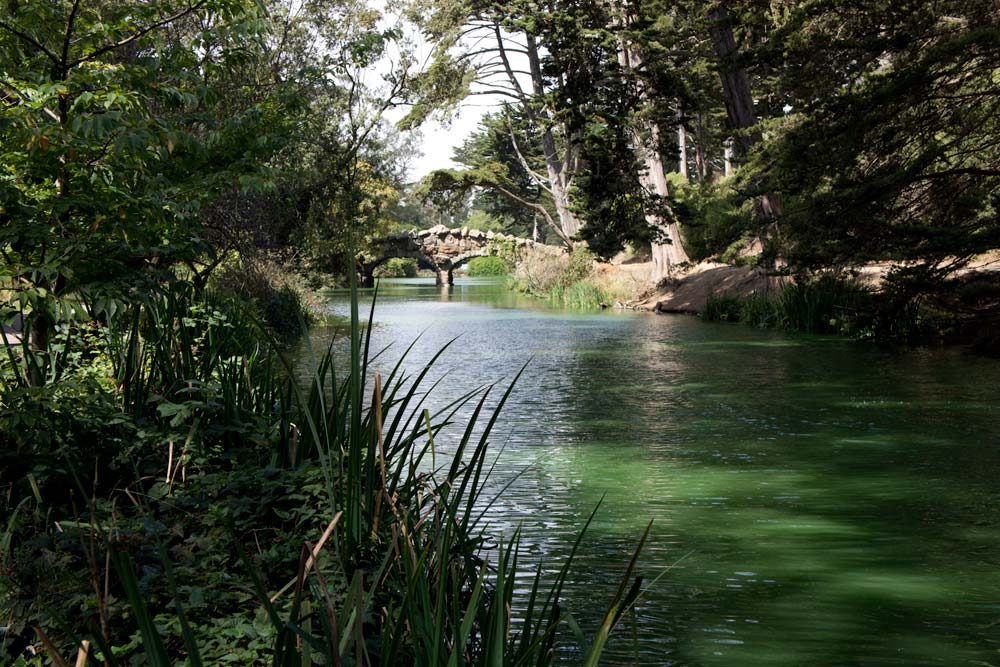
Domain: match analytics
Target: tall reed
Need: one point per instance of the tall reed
(824, 305)
(398, 572)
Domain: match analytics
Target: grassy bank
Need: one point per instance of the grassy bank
(173, 496)
(825, 306)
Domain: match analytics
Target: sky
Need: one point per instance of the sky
(437, 140)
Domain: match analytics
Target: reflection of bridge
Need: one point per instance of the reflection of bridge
(447, 249)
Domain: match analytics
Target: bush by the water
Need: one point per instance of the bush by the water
(279, 296)
(397, 267)
(572, 280)
(829, 305)
(551, 277)
(174, 494)
(487, 266)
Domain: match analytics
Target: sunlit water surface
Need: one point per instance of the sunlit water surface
(815, 501)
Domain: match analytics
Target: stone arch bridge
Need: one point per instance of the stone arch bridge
(446, 249)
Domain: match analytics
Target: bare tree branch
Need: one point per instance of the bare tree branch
(537, 207)
(496, 91)
(138, 34)
(506, 63)
(70, 22)
(535, 176)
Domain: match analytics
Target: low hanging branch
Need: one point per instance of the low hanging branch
(536, 207)
(447, 186)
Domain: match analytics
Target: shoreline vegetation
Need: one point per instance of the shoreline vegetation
(574, 280)
(858, 304)
(225, 512)
(863, 303)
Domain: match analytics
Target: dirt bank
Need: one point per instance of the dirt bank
(689, 290)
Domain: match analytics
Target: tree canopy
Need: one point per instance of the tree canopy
(814, 135)
(822, 134)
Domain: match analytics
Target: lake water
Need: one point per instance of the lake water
(815, 501)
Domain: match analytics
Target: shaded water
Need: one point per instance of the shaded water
(829, 502)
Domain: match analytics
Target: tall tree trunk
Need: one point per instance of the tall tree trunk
(700, 159)
(556, 166)
(739, 103)
(682, 147)
(735, 86)
(669, 254)
(670, 251)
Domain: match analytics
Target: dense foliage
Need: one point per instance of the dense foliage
(487, 266)
(815, 137)
(164, 475)
(180, 497)
(397, 267)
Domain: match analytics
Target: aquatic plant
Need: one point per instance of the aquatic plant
(319, 518)
(828, 305)
(722, 308)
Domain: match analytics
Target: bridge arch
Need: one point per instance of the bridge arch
(366, 270)
(446, 249)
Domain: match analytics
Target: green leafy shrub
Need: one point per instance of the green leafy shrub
(580, 265)
(279, 296)
(43, 428)
(487, 266)
(397, 267)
